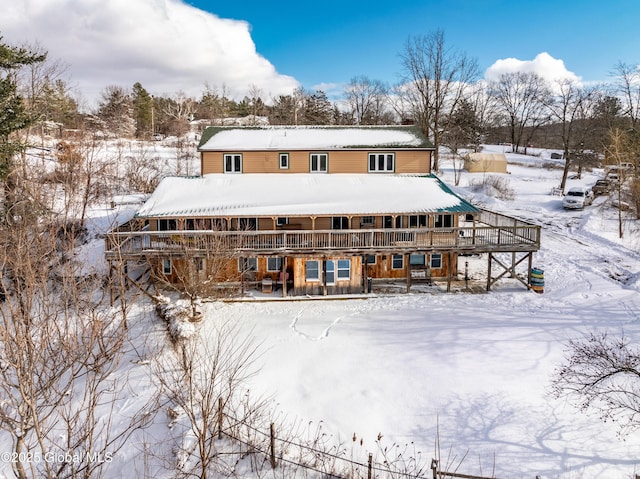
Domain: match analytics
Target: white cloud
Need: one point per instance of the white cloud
(166, 45)
(543, 64)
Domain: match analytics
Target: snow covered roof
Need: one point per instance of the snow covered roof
(252, 195)
(311, 138)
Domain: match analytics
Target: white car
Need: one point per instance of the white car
(577, 197)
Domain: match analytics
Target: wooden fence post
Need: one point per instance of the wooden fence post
(273, 447)
(370, 466)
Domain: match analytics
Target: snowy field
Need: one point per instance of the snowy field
(475, 366)
(469, 370)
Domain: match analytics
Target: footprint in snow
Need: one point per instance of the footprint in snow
(324, 334)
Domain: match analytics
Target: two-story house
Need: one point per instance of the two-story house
(316, 210)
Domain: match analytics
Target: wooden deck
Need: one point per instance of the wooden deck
(492, 232)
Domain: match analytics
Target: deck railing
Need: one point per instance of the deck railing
(508, 234)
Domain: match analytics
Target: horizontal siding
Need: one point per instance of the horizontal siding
(351, 161)
(211, 162)
(413, 162)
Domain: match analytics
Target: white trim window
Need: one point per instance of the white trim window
(312, 270)
(330, 272)
(166, 266)
(367, 221)
(274, 264)
(283, 161)
(319, 162)
(436, 261)
(232, 163)
(344, 269)
(247, 264)
(382, 162)
(397, 261)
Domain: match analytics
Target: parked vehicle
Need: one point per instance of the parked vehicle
(601, 187)
(577, 197)
(613, 178)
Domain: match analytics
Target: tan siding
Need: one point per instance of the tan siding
(340, 161)
(211, 162)
(323, 223)
(413, 162)
(298, 162)
(302, 223)
(260, 162)
(348, 162)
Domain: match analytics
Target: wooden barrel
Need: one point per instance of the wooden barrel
(537, 280)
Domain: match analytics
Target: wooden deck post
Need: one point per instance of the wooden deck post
(407, 265)
(323, 274)
(284, 277)
(450, 269)
(490, 259)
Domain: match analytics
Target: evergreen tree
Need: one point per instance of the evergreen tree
(463, 128)
(58, 106)
(282, 111)
(318, 109)
(13, 114)
(143, 113)
(115, 112)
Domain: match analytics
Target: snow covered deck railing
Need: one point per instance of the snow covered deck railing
(510, 235)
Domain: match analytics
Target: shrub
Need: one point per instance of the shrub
(496, 186)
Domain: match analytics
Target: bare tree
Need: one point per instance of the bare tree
(624, 147)
(523, 97)
(571, 105)
(367, 100)
(60, 346)
(202, 262)
(627, 85)
(202, 378)
(82, 175)
(435, 79)
(601, 373)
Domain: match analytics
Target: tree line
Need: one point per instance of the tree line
(440, 90)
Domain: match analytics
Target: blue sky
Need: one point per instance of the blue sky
(334, 40)
(233, 46)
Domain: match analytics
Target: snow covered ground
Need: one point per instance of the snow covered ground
(475, 366)
(471, 370)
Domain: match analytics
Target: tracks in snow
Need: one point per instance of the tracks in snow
(324, 334)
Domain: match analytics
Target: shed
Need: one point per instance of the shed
(485, 163)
